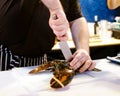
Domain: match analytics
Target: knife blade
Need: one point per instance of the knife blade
(65, 50)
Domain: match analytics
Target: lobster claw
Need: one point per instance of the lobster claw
(40, 68)
(62, 79)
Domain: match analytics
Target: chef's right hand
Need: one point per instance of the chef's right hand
(59, 24)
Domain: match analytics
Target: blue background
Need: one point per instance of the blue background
(90, 8)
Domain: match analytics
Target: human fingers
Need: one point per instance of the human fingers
(62, 38)
(60, 30)
(75, 64)
(92, 66)
(77, 61)
(60, 27)
(86, 65)
(59, 21)
(79, 57)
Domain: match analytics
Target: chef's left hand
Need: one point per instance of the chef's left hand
(81, 59)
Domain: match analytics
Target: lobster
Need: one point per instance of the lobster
(63, 73)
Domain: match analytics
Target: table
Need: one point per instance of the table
(17, 82)
(110, 47)
(107, 42)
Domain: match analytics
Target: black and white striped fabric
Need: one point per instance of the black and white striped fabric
(9, 60)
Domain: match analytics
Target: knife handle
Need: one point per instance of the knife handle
(54, 16)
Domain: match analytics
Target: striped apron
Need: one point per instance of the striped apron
(9, 60)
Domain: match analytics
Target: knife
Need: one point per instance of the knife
(64, 46)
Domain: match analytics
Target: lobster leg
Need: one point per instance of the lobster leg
(40, 68)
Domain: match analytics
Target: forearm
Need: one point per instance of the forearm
(52, 5)
(81, 57)
(80, 34)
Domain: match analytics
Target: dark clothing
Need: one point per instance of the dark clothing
(8, 60)
(118, 11)
(25, 35)
(25, 31)
(22, 30)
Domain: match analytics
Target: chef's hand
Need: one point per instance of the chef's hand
(59, 24)
(82, 60)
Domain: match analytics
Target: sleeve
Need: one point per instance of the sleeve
(74, 10)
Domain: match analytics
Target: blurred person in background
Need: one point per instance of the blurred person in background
(114, 4)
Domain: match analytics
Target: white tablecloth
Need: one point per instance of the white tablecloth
(18, 82)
